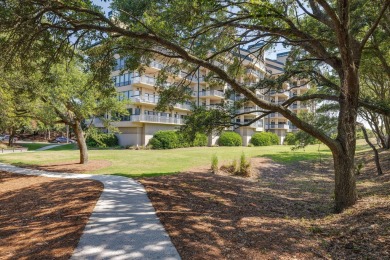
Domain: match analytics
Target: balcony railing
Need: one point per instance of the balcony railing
(152, 99)
(247, 110)
(207, 93)
(284, 93)
(145, 99)
(144, 80)
(258, 124)
(156, 65)
(296, 106)
(276, 115)
(183, 106)
(278, 126)
(156, 119)
(254, 72)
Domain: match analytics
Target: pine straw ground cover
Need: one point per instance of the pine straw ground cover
(41, 217)
(283, 212)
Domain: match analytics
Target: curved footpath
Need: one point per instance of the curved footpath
(123, 224)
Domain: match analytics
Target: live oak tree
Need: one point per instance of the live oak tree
(327, 40)
(66, 93)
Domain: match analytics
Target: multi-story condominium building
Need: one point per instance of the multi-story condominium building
(275, 122)
(143, 120)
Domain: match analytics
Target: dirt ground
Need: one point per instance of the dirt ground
(43, 218)
(283, 212)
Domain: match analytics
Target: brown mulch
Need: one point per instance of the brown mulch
(71, 166)
(41, 217)
(284, 212)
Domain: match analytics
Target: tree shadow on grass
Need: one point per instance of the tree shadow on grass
(291, 157)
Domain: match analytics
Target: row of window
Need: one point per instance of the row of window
(122, 80)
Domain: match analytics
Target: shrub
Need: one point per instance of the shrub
(230, 139)
(165, 140)
(290, 139)
(101, 140)
(174, 139)
(260, 139)
(245, 167)
(214, 164)
(264, 139)
(182, 140)
(200, 140)
(274, 138)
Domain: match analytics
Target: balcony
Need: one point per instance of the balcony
(248, 110)
(209, 93)
(300, 106)
(257, 124)
(276, 115)
(145, 99)
(183, 106)
(278, 126)
(254, 72)
(284, 94)
(156, 119)
(152, 99)
(144, 81)
(156, 65)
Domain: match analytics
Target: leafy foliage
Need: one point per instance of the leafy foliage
(290, 139)
(264, 139)
(200, 140)
(175, 139)
(229, 138)
(165, 140)
(214, 164)
(98, 139)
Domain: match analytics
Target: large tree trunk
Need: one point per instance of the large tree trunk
(344, 152)
(81, 142)
(345, 183)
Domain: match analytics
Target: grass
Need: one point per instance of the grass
(145, 163)
(33, 146)
(64, 147)
(137, 163)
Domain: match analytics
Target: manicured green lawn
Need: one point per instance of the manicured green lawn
(138, 163)
(34, 146)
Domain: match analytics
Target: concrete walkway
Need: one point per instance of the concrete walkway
(123, 224)
(48, 147)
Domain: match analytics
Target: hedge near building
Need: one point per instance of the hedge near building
(230, 139)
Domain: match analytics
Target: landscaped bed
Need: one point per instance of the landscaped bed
(41, 217)
(284, 212)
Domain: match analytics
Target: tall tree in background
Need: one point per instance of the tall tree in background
(375, 79)
(327, 39)
(74, 96)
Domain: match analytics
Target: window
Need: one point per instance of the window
(120, 64)
(122, 80)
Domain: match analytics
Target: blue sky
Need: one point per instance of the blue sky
(104, 4)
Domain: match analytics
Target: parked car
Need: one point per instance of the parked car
(6, 138)
(62, 140)
(2, 137)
